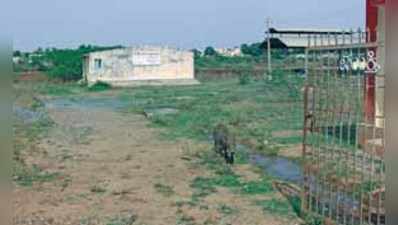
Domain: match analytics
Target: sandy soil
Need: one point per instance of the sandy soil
(110, 164)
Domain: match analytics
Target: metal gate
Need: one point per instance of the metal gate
(343, 147)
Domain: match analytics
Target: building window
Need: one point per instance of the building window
(98, 64)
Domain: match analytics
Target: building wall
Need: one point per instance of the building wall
(138, 64)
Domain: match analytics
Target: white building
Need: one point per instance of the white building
(140, 66)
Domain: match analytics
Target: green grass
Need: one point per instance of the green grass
(69, 89)
(289, 140)
(263, 186)
(24, 176)
(219, 62)
(253, 110)
(225, 177)
(276, 207)
(203, 187)
(59, 89)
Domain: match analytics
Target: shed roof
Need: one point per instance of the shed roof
(299, 31)
(298, 37)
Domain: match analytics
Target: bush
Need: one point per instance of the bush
(254, 49)
(64, 64)
(234, 62)
(244, 78)
(100, 86)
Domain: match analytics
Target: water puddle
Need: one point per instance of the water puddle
(281, 168)
(288, 170)
(87, 103)
(27, 115)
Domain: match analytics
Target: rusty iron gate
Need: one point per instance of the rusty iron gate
(343, 147)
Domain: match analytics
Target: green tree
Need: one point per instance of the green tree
(210, 51)
(65, 64)
(252, 49)
(17, 53)
(245, 49)
(196, 53)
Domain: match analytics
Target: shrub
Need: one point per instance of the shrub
(100, 86)
(244, 78)
(165, 190)
(63, 64)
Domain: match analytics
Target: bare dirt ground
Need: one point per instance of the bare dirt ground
(115, 170)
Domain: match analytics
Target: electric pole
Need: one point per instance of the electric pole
(269, 22)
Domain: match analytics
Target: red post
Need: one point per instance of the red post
(371, 27)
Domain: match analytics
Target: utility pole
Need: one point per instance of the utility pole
(269, 55)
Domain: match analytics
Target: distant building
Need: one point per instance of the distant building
(140, 66)
(17, 59)
(298, 38)
(230, 52)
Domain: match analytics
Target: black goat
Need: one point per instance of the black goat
(224, 143)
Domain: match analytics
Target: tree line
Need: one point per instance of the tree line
(66, 64)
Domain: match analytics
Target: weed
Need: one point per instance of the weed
(270, 150)
(36, 104)
(228, 180)
(276, 206)
(35, 129)
(56, 89)
(313, 220)
(257, 187)
(226, 210)
(98, 189)
(210, 159)
(26, 136)
(165, 190)
(122, 220)
(205, 186)
(241, 157)
(191, 203)
(291, 140)
(244, 78)
(25, 176)
(89, 220)
(75, 199)
(183, 219)
(65, 182)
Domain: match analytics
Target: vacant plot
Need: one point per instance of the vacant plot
(143, 155)
(265, 115)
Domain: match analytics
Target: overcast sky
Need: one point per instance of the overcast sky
(179, 23)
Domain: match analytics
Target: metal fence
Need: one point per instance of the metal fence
(343, 148)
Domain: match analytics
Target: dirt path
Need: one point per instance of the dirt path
(116, 170)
